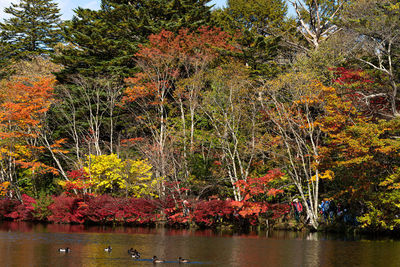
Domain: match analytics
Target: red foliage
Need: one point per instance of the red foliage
(259, 185)
(66, 209)
(106, 209)
(349, 76)
(253, 211)
(202, 46)
(24, 211)
(137, 211)
(170, 56)
(7, 206)
(102, 209)
(365, 92)
(210, 213)
(79, 183)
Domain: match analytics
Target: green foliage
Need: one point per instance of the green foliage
(383, 210)
(41, 207)
(105, 41)
(261, 17)
(257, 24)
(32, 29)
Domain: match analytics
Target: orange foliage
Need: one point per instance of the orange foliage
(23, 106)
(4, 188)
(260, 185)
(24, 102)
(360, 148)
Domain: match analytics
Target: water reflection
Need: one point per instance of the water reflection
(25, 244)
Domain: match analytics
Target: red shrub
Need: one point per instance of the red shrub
(102, 209)
(7, 206)
(67, 209)
(138, 211)
(105, 209)
(209, 213)
(24, 211)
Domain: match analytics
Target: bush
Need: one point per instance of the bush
(24, 210)
(138, 211)
(210, 213)
(7, 206)
(66, 209)
(102, 209)
(41, 210)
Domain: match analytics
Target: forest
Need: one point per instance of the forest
(173, 111)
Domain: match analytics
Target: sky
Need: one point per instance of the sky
(67, 6)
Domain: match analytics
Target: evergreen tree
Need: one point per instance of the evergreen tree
(257, 16)
(32, 29)
(258, 22)
(106, 40)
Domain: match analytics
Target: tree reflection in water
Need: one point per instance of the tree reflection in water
(26, 244)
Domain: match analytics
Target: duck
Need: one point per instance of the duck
(65, 250)
(108, 249)
(157, 260)
(134, 253)
(182, 260)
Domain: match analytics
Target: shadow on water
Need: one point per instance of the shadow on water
(27, 244)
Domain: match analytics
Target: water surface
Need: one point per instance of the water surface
(25, 244)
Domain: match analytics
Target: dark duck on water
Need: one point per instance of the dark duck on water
(157, 260)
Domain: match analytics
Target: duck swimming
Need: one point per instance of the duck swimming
(134, 253)
(108, 249)
(65, 250)
(135, 256)
(157, 260)
(182, 260)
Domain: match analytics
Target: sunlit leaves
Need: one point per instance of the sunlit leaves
(110, 174)
(23, 106)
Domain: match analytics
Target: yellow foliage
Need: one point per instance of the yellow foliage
(325, 175)
(3, 188)
(112, 174)
(140, 180)
(106, 172)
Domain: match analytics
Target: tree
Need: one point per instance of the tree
(110, 174)
(32, 30)
(173, 70)
(256, 24)
(24, 104)
(375, 26)
(104, 42)
(315, 20)
(362, 151)
(257, 16)
(106, 173)
(86, 115)
(231, 108)
(293, 104)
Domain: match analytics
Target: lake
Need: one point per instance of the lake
(26, 244)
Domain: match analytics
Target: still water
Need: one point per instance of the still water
(24, 244)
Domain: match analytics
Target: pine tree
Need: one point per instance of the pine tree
(32, 30)
(257, 21)
(105, 41)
